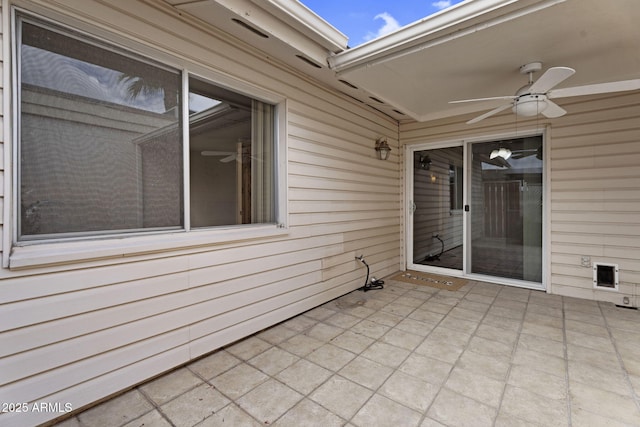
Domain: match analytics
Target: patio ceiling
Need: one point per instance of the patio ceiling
(472, 50)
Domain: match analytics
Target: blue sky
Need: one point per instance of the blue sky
(364, 20)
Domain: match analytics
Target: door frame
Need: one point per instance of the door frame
(466, 143)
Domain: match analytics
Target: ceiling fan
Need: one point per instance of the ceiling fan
(535, 97)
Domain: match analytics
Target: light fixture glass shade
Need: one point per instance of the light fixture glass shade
(530, 105)
(383, 149)
(505, 153)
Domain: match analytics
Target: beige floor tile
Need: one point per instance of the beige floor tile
(277, 334)
(538, 382)
(542, 331)
(331, 357)
(485, 300)
(232, 416)
(366, 372)
(590, 341)
(478, 387)
(415, 327)
(248, 348)
(371, 329)
(402, 339)
(269, 401)
(304, 376)
(531, 407)
(117, 411)
(459, 325)
(430, 422)
(586, 328)
(341, 396)
(74, 422)
(386, 319)
(594, 319)
(170, 385)
(466, 314)
(495, 367)
(588, 356)
(398, 309)
(489, 347)
(509, 304)
(194, 406)
(214, 364)
(436, 307)
(494, 333)
(300, 323)
(342, 320)
(273, 360)
(544, 319)
(604, 403)
(506, 420)
(442, 352)
(301, 345)
(426, 369)
(506, 312)
(307, 413)
(239, 380)
(479, 307)
(409, 391)
(386, 354)
(323, 332)
(455, 410)
(355, 343)
(541, 345)
(502, 322)
(444, 335)
(583, 418)
(542, 311)
(409, 300)
(383, 412)
(540, 362)
(320, 313)
(594, 376)
(153, 418)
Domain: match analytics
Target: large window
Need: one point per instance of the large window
(101, 143)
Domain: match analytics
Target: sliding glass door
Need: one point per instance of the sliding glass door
(437, 220)
(482, 216)
(506, 208)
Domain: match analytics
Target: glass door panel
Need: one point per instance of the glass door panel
(438, 183)
(506, 208)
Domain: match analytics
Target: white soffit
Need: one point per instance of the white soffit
(475, 49)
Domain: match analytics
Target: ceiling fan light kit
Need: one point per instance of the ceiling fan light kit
(535, 97)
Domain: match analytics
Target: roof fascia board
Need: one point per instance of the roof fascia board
(307, 22)
(462, 19)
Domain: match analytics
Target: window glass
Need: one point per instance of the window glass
(100, 142)
(231, 157)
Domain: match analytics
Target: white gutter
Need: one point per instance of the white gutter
(462, 19)
(306, 22)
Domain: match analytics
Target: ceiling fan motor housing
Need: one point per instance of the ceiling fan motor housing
(530, 104)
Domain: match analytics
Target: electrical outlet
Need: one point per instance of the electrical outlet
(585, 261)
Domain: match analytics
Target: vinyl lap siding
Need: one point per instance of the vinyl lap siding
(80, 332)
(595, 196)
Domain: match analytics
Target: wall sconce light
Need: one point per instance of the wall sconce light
(382, 148)
(425, 162)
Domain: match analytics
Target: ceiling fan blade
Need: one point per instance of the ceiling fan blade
(217, 153)
(550, 78)
(619, 86)
(493, 98)
(228, 159)
(489, 114)
(553, 110)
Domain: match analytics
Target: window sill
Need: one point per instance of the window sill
(60, 253)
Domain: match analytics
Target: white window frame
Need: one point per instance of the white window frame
(64, 250)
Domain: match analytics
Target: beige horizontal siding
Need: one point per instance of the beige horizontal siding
(79, 332)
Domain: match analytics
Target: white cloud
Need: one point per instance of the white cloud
(442, 4)
(390, 25)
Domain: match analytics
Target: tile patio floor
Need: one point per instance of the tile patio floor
(409, 355)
